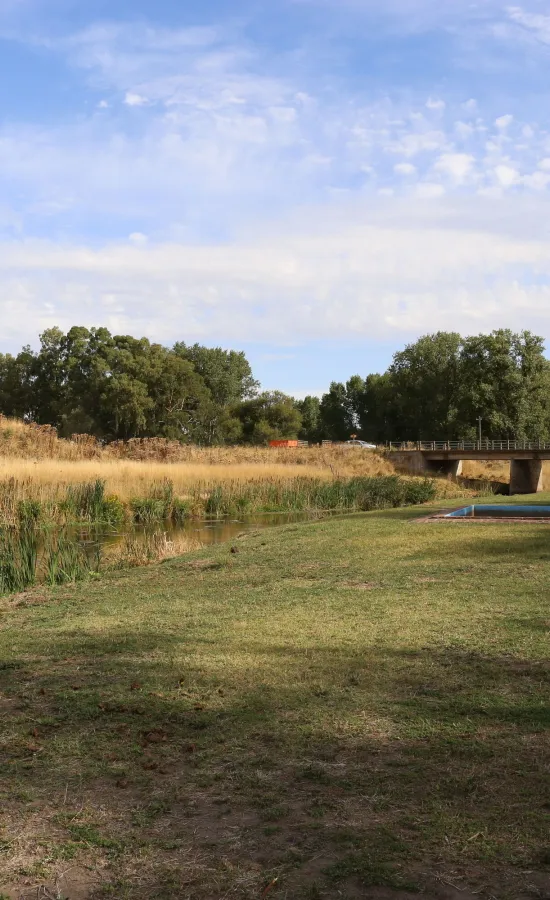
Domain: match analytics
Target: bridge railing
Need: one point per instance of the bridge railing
(468, 445)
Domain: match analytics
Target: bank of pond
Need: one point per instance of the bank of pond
(76, 531)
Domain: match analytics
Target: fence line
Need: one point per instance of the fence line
(469, 445)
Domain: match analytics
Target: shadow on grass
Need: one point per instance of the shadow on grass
(317, 767)
(520, 542)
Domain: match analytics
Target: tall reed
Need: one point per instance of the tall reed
(67, 559)
(18, 558)
(86, 500)
(309, 494)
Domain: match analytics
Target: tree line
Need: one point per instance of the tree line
(117, 387)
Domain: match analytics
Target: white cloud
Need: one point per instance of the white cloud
(533, 24)
(506, 175)
(138, 239)
(225, 142)
(416, 142)
(464, 130)
(457, 166)
(429, 190)
(537, 181)
(132, 99)
(503, 122)
(404, 169)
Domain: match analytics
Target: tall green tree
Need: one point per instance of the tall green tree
(118, 386)
(505, 381)
(310, 411)
(229, 379)
(425, 385)
(339, 410)
(226, 373)
(16, 385)
(270, 416)
(376, 410)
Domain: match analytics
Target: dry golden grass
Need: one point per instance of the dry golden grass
(135, 550)
(126, 479)
(36, 456)
(37, 442)
(44, 464)
(495, 470)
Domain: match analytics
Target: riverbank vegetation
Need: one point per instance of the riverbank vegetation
(343, 708)
(53, 503)
(41, 538)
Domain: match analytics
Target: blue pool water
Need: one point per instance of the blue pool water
(501, 511)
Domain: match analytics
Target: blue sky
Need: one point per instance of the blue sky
(317, 182)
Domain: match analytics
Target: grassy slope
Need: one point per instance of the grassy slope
(351, 706)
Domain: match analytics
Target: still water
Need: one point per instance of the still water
(216, 531)
(210, 531)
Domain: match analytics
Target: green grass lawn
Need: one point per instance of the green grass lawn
(348, 708)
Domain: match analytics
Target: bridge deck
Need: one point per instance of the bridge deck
(455, 450)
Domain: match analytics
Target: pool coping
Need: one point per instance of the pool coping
(445, 516)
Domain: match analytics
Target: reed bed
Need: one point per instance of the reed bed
(314, 494)
(26, 503)
(31, 556)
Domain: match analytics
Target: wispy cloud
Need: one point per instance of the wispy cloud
(534, 25)
(379, 271)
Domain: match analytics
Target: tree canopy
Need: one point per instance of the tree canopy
(436, 388)
(119, 387)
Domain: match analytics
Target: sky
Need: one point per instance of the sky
(316, 182)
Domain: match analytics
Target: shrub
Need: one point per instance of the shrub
(180, 511)
(114, 511)
(420, 491)
(147, 510)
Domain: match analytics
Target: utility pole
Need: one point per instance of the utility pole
(480, 420)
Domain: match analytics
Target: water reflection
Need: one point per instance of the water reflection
(208, 531)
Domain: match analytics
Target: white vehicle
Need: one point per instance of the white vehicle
(362, 444)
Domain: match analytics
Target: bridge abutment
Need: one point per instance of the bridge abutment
(526, 476)
(418, 464)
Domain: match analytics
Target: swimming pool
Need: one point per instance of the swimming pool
(500, 511)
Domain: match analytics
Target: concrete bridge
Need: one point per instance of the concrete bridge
(446, 458)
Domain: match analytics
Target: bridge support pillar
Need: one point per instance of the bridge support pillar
(415, 462)
(452, 468)
(525, 476)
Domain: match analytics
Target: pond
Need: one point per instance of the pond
(210, 531)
